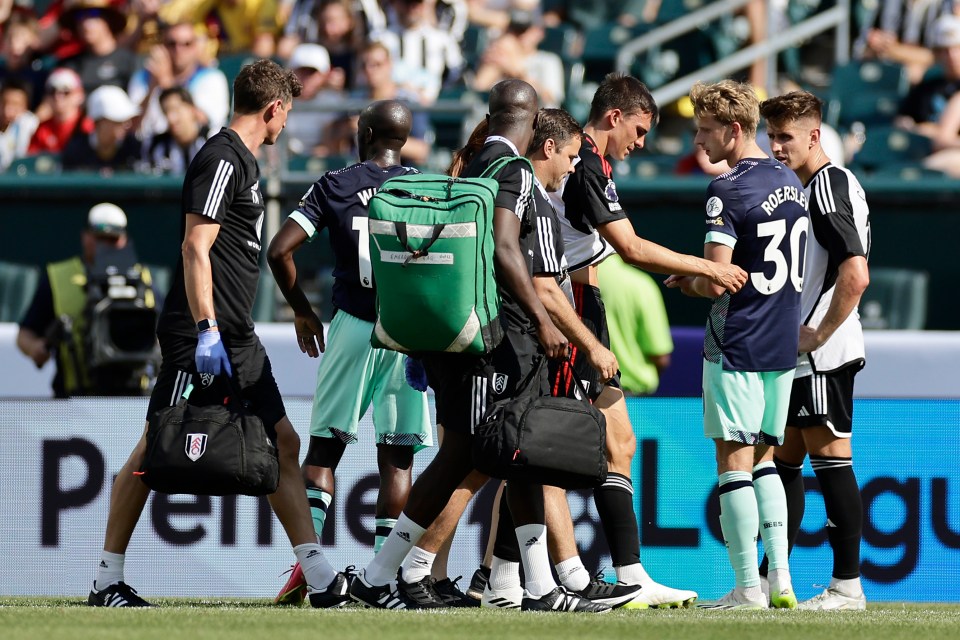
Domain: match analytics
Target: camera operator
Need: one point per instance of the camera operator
(91, 310)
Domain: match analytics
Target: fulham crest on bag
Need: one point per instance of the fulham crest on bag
(196, 445)
(500, 382)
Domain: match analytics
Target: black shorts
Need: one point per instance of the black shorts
(590, 310)
(465, 385)
(251, 369)
(824, 399)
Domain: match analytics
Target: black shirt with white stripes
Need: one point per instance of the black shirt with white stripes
(515, 194)
(223, 184)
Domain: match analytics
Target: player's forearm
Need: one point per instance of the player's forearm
(852, 280)
(651, 256)
(564, 315)
(198, 281)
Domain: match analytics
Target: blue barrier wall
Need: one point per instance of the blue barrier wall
(57, 459)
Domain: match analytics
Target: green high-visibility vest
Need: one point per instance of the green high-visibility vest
(68, 280)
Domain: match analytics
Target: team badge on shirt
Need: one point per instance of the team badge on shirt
(714, 207)
(613, 199)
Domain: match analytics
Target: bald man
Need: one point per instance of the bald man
(459, 379)
(352, 375)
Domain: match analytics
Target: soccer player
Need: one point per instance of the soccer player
(459, 379)
(206, 332)
(352, 374)
(757, 218)
(831, 342)
(594, 226)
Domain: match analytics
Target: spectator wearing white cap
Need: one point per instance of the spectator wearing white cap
(55, 322)
(945, 133)
(316, 108)
(64, 99)
(926, 102)
(112, 145)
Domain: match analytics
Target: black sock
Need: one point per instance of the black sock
(841, 498)
(792, 478)
(506, 546)
(614, 500)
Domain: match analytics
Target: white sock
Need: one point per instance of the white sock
(536, 560)
(317, 571)
(633, 574)
(851, 587)
(572, 574)
(111, 570)
(779, 579)
(504, 575)
(417, 565)
(383, 568)
(752, 593)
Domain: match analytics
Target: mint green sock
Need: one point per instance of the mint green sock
(772, 507)
(739, 522)
(319, 503)
(384, 527)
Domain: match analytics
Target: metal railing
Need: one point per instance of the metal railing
(837, 18)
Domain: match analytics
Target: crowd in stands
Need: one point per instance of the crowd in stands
(138, 85)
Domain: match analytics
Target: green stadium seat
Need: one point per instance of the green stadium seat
(475, 41)
(600, 47)
(17, 285)
(867, 92)
(895, 299)
(888, 146)
(39, 164)
(672, 9)
(563, 40)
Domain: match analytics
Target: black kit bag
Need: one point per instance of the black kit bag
(211, 450)
(543, 439)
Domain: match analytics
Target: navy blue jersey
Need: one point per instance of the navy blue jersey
(339, 201)
(222, 183)
(758, 208)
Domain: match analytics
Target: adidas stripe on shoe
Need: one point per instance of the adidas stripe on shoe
(562, 600)
(501, 598)
(376, 597)
(419, 594)
(119, 594)
(451, 595)
(336, 594)
(612, 595)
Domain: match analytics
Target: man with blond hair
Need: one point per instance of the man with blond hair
(756, 218)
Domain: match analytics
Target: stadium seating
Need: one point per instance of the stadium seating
(41, 163)
(886, 146)
(895, 299)
(866, 92)
(17, 284)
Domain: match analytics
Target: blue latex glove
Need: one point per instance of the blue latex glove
(211, 357)
(415, 373)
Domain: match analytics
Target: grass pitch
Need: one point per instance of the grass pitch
(195, 619)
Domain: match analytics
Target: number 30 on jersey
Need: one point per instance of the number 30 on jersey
(776, 230)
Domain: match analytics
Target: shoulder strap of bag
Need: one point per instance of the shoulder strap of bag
(494, 167)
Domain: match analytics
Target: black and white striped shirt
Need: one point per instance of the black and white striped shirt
(911, 20)
(840, 226)
(222, 184)
(425, 57)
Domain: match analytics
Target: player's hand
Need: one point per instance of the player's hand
(211, 357)
(684, 283)
(809, 340)
(554, 343)
(729, 276)
(40, 353)
(309, 330)
(603, 360)
(415, 374)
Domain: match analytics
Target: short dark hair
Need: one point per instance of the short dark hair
(260, 83)
(796, 105)
(17, 84)
(555, 124)
(180, 92)
(624, 92)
